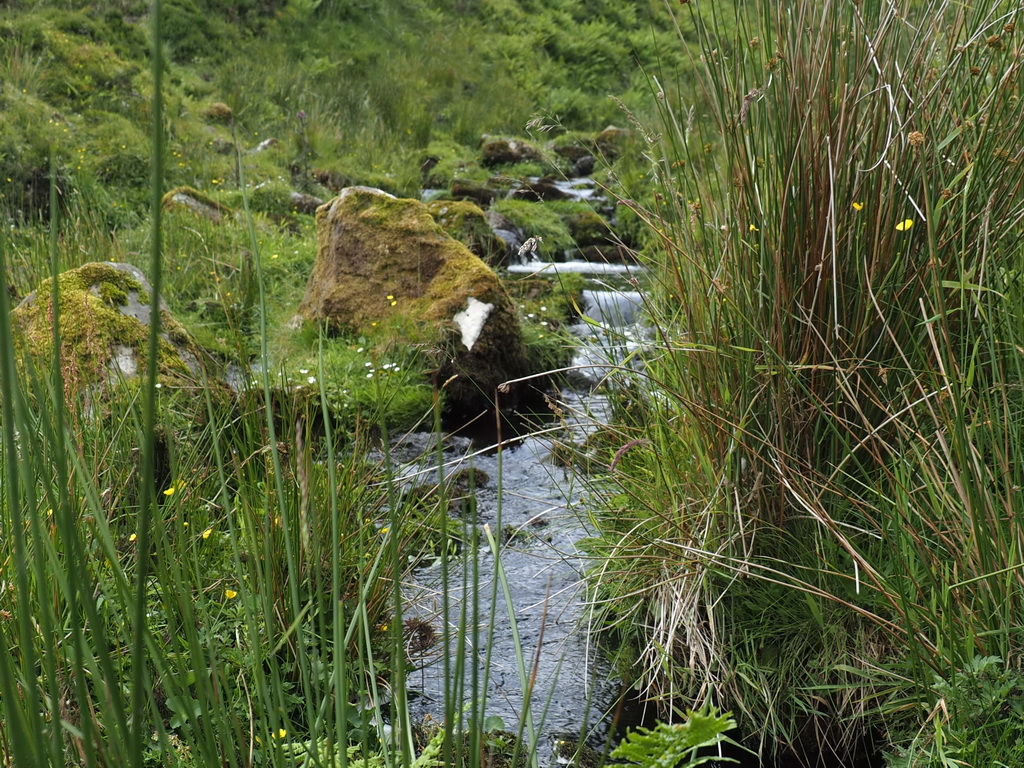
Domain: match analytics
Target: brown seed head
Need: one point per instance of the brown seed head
(916, 139)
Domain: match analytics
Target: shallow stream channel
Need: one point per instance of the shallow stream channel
(506, 623)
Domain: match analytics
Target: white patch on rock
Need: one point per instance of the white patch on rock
(123, 361)
(471, 320)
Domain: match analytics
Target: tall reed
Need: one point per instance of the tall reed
(819, 514)
(196, 578)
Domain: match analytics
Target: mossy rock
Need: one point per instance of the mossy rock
(218, 112)
(468, 223)
(573, 152)
(104, 331)
(481, 192)
(195, 201)
(538, 220)
(379, 256)
(332, 179)
(496, 747)
(281, 201)
(498, 151)
(570, 751)
(544, 189)
(610, 142)
(588, 228)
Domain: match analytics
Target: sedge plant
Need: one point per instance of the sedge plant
(813, 513)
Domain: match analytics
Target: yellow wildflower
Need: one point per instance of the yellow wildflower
(904, 225)
(230, 594)
(858, 206)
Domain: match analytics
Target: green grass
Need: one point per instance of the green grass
(813, 516)
(191, 591)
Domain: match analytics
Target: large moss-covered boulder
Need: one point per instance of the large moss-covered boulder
(104, 311)
(379, 255)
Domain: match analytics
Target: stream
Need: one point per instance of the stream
(522, 496)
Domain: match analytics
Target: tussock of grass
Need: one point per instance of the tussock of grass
(822, 515)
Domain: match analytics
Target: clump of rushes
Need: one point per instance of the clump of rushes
(823, 517)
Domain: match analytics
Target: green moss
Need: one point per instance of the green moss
(527, 170)
(538, 220)
(546, 306)
(92, 327)
(588, 227)
(467, 223)
(113, 295)
(575, 753)
(445, 160)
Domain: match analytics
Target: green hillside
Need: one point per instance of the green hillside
(358, 92)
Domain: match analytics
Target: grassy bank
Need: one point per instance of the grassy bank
(197, 578)
(811, 512)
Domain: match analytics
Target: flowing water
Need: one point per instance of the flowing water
(538, 631)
